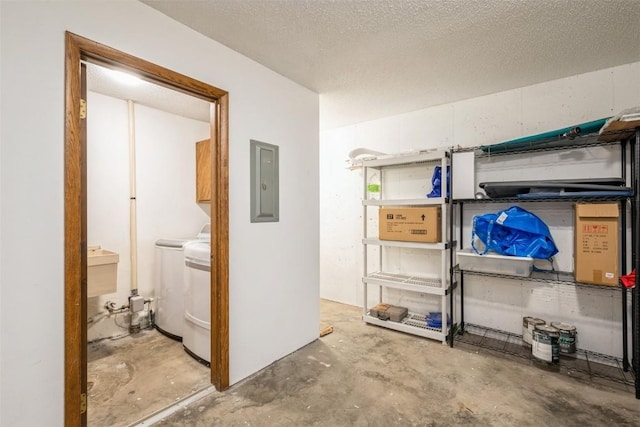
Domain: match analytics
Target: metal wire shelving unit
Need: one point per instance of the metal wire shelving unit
(587, 364)
(550, 277)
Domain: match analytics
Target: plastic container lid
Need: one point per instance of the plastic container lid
(172, 243)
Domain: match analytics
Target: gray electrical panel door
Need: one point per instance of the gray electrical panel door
(264, 182)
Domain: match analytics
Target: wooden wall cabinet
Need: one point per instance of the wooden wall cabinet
(203, 171)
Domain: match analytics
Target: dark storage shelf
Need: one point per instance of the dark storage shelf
(552, 144)
(547, 199)
(584, 365)
(588, 365)
(555, 278)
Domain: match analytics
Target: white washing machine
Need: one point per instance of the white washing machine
(197, 304)
(169, 283)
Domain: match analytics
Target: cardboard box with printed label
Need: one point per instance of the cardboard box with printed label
(410, 224)
(596, 247)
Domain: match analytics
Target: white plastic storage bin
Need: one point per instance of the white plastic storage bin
(491, 262)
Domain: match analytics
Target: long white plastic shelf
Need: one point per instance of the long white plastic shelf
(407, 283)
(414, 324)
(436, 201)
(405, 159)
(398, 244)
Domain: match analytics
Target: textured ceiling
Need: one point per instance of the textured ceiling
(370, 59)
(100, 80)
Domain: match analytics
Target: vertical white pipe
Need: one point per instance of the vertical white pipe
(133, 237)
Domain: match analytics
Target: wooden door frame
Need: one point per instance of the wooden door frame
(78, 48)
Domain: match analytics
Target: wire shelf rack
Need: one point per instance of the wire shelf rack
(584, 365)
(550, 144)
(558, 199)
(552, 278)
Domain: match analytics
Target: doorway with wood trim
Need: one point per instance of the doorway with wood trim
(80, 49)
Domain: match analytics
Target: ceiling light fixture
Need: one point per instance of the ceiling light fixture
(124, 78)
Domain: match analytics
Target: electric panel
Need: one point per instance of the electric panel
(264, 182)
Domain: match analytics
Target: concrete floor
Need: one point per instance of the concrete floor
(132, 377)
(362, 375)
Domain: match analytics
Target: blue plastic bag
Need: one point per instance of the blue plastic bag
(436, 182)
(514, 232)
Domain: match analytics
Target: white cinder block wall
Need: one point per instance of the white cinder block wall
(485, 120)
(273, 267)
(165, 190)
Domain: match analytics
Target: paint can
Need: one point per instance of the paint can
(567, 339)
(528, 323)
(545, 343)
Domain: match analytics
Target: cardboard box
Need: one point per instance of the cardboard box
(410, 224)
(397, 314)
(389, 312)
(379, 309)
(618, 130)
(596, 248)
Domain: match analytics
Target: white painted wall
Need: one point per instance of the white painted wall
(485, 120)
(166, 206)
(1, 233)
(274, 267)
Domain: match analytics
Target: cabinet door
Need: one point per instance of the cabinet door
(203, 171)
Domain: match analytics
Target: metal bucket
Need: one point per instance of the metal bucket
(567, 338)
(528, 323)
(545, 344)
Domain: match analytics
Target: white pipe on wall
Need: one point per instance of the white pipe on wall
(133, 238)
